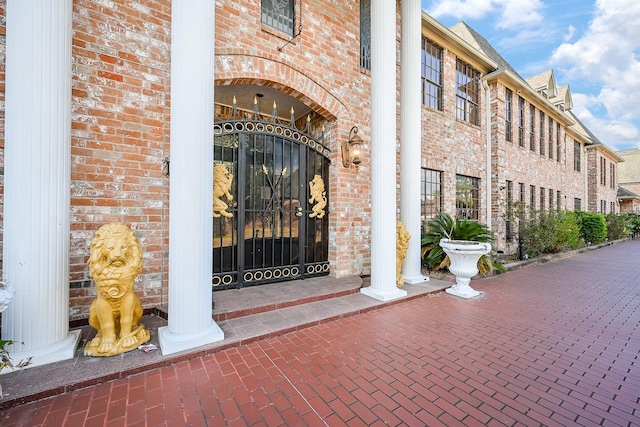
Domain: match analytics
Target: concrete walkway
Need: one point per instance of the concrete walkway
(552, 344)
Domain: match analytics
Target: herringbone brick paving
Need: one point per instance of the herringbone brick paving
(550, 345)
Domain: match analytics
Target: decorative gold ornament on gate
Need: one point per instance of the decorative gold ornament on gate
(222, 180)
(318, 195)
(402, 245)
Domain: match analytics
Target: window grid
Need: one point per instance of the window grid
(542, 139)
(603, 169)
(543, 192)
(467, 197)
(431, 193)
(467, 93)
(365, 34)
(532, 128)
(508, 131)
(558, 200)
(522, 192)
(431, 74)
(550, 138)
(521, 121)
(551, 199)
(558, 143)
(576, 156)
(612, 175)
(532, 197)
(279, 14)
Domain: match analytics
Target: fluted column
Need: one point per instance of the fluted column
(190, 230)
(37, 179)
(383, 152)
(410, 137)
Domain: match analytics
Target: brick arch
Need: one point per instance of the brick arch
(247, 69)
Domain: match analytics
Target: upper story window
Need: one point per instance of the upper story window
(542, 141)
(558, 144)
(431, 74)
(532, 128)
(542, 197)
(467, 197)
(365, 34)
(467, 93)
(603, 171)
(576, 156)
(612, 175)
(522, 196)
(521, 121)
(508, 115)
(550, 138)
(279, 14)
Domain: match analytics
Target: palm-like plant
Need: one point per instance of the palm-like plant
(443, 226)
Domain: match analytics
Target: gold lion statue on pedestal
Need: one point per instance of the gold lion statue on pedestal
(114, 263)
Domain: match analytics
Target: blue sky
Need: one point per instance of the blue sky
(593, 46)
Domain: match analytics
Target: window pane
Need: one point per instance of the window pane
(279, 14)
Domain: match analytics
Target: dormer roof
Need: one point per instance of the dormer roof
(544, 83)
(563, 99)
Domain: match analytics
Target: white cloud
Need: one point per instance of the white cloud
(606, 56)
(570, 33)
(617, 134)
(514, 14)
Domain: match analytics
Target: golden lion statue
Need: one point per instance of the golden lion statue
(402, 245)
(222, 180)
(114, 263)
(318, 195)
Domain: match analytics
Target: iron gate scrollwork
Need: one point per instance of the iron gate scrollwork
(270, 203)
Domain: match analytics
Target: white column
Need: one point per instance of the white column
(383, 152)
(190, 230)
(37, 178)
(411, 137)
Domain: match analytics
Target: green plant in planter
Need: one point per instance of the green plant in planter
(443, 226)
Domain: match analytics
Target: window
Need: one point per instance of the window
(365, 34)
(467, 197)
(576, 156)
(577, 204)
(508, 231)
(522, 195)
(542, 198)
(279, 14)
(612, 207)
(508, 130)
(430, 193)
(542, 141)
(551, 199)
(431, 74)
(558, 200)
(532, 197)
(603, 207)
(550, 138)
(520, 121)
(532, 128)
(467, 93)
(558, 144)
(612, 175)
(603, 170)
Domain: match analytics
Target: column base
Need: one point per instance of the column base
(462, 291)
(413, 280)
(383, 295)
(61, 350)
(172, 343)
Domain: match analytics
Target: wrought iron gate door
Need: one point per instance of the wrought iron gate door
(270, 204)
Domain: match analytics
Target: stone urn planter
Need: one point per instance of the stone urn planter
(7, 293)
(464, 256)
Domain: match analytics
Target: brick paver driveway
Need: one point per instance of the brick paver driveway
(554, 344)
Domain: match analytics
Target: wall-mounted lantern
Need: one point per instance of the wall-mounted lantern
(352, 149)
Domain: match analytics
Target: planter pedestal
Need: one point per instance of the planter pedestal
(464, 256)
